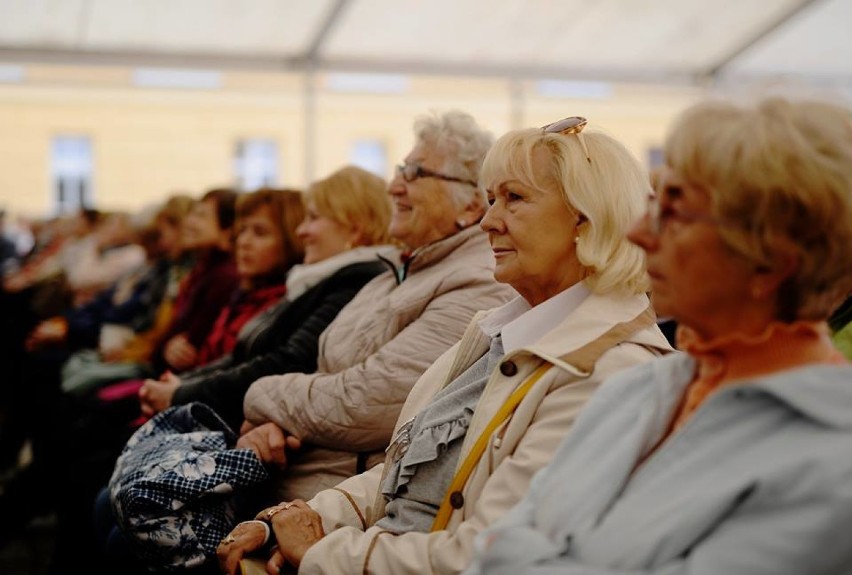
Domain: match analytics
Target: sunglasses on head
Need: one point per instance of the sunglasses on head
(568, 126)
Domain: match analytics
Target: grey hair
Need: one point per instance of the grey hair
(463, 143)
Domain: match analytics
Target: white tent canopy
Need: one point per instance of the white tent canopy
(661, 41)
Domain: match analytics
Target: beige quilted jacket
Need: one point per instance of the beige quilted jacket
(370, 356)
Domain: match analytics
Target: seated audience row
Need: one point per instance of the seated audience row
(730, 457)
(457, 372)
(337, 420)
(492, 410)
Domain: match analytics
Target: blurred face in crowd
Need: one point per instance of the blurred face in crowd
(423, 209)
(201, 226)
(532, 236)
(169, 238)
(695, 277)
(260, 247)
(322, 236)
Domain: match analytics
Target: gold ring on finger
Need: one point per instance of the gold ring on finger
(228, 539)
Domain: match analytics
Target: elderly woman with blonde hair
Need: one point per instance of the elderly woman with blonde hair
(490, 411)
(735, 456)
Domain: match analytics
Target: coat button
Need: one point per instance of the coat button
(456, 500)
(508, 368)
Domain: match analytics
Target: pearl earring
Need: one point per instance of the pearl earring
(461, 224)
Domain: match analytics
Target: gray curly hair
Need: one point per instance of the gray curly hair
(462, 142)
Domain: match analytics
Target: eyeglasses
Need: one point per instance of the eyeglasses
(658, 218)
(411, 172)
(567, 126)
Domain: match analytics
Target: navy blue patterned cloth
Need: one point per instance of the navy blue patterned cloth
(173, 486)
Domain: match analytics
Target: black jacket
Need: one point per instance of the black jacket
(282, 339)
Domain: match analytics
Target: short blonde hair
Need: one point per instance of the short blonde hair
(357, 198)
(174, 209)
(780, 175)
(610, 191)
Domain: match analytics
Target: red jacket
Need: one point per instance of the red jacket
(244, 306)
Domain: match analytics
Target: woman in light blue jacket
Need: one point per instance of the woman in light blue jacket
(734, 457)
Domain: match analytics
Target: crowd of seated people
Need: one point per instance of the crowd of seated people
(462, 370)
(198, 298)
(735, 455)
(560, 203)
(315, 428)
(45, 313)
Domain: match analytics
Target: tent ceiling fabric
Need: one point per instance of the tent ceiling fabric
(656, 40)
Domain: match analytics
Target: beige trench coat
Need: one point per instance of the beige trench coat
(603, 335)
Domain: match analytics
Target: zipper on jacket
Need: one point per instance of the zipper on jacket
(398, 273)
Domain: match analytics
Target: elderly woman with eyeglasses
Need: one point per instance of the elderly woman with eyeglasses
(393, 329)
(735, 456)
(490, 412)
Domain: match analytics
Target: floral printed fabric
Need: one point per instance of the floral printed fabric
(173, 484)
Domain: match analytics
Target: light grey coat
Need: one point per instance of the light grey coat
(757, 481)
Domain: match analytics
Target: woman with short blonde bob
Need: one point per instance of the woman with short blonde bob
(499, 401)
(364, 207)
(735, 456)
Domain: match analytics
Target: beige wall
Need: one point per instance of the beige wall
(149, 143)
(145, 145)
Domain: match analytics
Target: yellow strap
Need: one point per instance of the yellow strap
(472, 459)
(252, 566)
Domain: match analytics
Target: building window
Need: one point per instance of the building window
(72, 173)
(367, 83)
(256, 164)
(370, 155)
(655, 157)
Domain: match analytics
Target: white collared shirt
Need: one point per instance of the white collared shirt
(522, 325)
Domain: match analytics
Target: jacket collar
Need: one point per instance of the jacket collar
(593, 320)
(303, 277)
(521, 325)
(822, 393)
(427, 255)
(819, 392)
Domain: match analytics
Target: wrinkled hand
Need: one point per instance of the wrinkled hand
(180, 353)
(296, 527)
(155, 396)
(16, 283)
(245, 538)
(246, 427)
(270, 443)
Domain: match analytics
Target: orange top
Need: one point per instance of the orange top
(729, 358)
